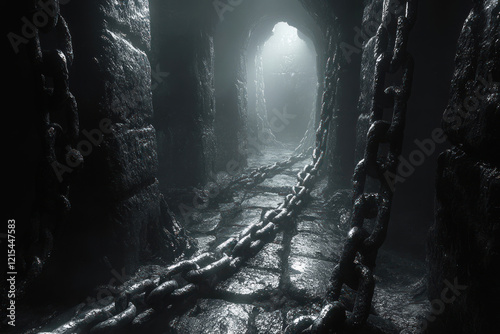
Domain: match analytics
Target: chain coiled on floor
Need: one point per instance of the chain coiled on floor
(142, 302)
(357, 261)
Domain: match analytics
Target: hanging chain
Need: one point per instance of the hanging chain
(59, 112)
(141, 302)
(57, 117)
(357, 261)
(138, 304)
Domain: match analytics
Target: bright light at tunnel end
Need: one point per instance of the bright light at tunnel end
(284, 28)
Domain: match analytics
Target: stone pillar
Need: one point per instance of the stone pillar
(184, 112)
(117, 218)
(231, 100)
(464, 240)
(340, 100)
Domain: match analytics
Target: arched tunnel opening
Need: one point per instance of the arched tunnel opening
(282, 87)
(282, 92)
(237, 166)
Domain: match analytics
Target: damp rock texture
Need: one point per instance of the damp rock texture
(463, 244)
(182, 63)
(291, 275)
(117, 206)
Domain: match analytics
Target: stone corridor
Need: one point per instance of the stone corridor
(289, 276)
(126, 112)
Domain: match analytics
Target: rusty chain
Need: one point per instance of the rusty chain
(357, 261)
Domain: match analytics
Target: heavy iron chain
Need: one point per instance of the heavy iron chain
(60, 123)
(58, 119)
(357, 261)
(258, 175)
(141, 302)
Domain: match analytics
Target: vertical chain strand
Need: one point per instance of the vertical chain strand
(357, 260)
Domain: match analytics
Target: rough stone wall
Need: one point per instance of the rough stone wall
(185, 111)
(432, 44)
(263, 134)
(118, 217)
(372, 13)
(118, 192)
(464, 240)
(231, 96)
(340, 88)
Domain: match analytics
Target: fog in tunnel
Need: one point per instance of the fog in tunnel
(282, 87)
(252, 166)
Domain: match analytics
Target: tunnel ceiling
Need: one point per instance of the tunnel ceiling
(254, 20)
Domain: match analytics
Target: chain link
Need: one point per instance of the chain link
(57, 117)
(357, 261)
(258, 175)
(147, 299)
(59, 108)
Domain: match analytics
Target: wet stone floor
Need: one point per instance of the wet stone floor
(289, 276)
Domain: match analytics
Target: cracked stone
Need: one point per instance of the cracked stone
(279, 182)
(269, 322)
(309, 278)
(312, 224)
(215, 317)
(249, 283)
(317, 246)
(262, 200)
(248, 217)
(268, 258)
(205, 222)
(269, 156)
(204, 243)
